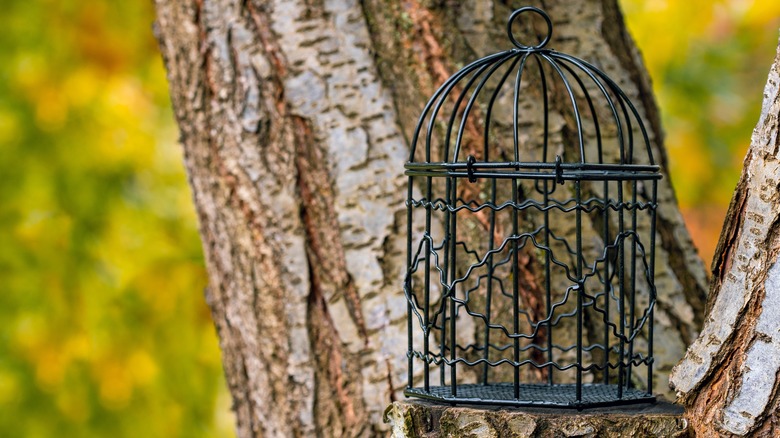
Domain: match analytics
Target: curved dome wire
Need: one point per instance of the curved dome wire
(471, 85)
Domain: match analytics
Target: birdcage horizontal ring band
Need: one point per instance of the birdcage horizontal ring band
(440, 359)
(572, 175)
(535, 166)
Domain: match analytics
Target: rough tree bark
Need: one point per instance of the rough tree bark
(728, 380)
(295, 117)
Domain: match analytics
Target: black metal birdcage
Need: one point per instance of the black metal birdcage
(531, 234)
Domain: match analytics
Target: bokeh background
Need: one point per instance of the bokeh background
(103, 326)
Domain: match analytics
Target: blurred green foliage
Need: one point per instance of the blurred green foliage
(103, 329)
(709, 61)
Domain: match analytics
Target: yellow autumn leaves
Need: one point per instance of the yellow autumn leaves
(103, 326)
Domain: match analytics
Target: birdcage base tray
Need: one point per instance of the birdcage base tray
(534, 395)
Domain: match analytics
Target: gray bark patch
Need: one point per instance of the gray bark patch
(761, 365)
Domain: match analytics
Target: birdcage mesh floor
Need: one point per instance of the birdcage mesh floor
(560, 395)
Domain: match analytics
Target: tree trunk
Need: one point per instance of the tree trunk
(295, 118)
(728, 378)
(424, 419)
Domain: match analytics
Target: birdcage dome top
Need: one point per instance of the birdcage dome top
(531, 112)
